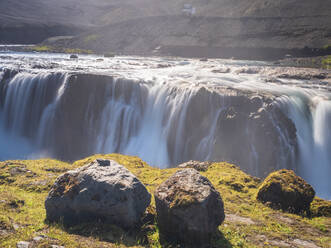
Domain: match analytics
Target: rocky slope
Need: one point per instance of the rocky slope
(218, 28)
(248, 223)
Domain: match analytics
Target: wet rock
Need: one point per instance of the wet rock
(285, 190)
(23, 244)
(189, 209)
(109, 55)
(103, 190)
(199, 166)
(73, 56)
(248, 70)
(163, 65)
(221, 70)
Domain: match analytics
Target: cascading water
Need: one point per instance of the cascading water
(259, 126)
(312, 117)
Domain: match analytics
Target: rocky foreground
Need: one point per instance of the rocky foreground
(251, 218)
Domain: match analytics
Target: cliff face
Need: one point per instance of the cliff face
(140, 26)
(79, 114)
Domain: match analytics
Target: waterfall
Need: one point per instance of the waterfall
(24, 100)
(72, 115)
(312, 117)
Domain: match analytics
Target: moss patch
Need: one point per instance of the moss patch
(54, 49)
(326, 62)
(320, 207)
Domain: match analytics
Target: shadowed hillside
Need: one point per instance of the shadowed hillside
(140, 26)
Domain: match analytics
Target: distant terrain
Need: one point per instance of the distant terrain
(219, 28)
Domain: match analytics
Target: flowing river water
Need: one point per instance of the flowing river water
(168, 111)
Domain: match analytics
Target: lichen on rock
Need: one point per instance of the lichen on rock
(189, 209)
(103, 190)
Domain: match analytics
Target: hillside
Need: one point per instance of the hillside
(140, 26)
(248, 223)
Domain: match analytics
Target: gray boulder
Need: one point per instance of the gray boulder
(199, 166)
(189, 209)
(103, 190)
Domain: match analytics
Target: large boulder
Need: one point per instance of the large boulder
(189, 209)
(285, 190)
(103, 190)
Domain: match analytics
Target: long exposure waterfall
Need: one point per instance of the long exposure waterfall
(257, 124)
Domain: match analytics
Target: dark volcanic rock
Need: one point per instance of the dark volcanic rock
(241, 124)
(285, 190)
(189, 209)
(102, 189)
(73, 56)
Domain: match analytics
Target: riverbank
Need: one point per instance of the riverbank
(310, 59)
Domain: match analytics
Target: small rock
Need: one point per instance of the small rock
(17, 171)
(57, 246)
(23, 244)
(109, 55)
(221, 70)
(73, 56)
(189, 209)
(248, 70)
(304, 243)
(39, 238)
(16, 226)
(283, 189)
(103, 190)
(199, 166)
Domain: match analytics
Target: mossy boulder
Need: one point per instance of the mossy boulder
(101, 190)
(189, 209)
(285, 190)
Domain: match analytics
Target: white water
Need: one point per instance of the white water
(155, 123)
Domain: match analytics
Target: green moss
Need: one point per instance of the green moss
(54, 49)
(182, 199)
(76, 51)
(288, 181)
(320, 207)
(91, 38)
(327, 47)
(109, 55)
(42, 48)
(326, 62)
